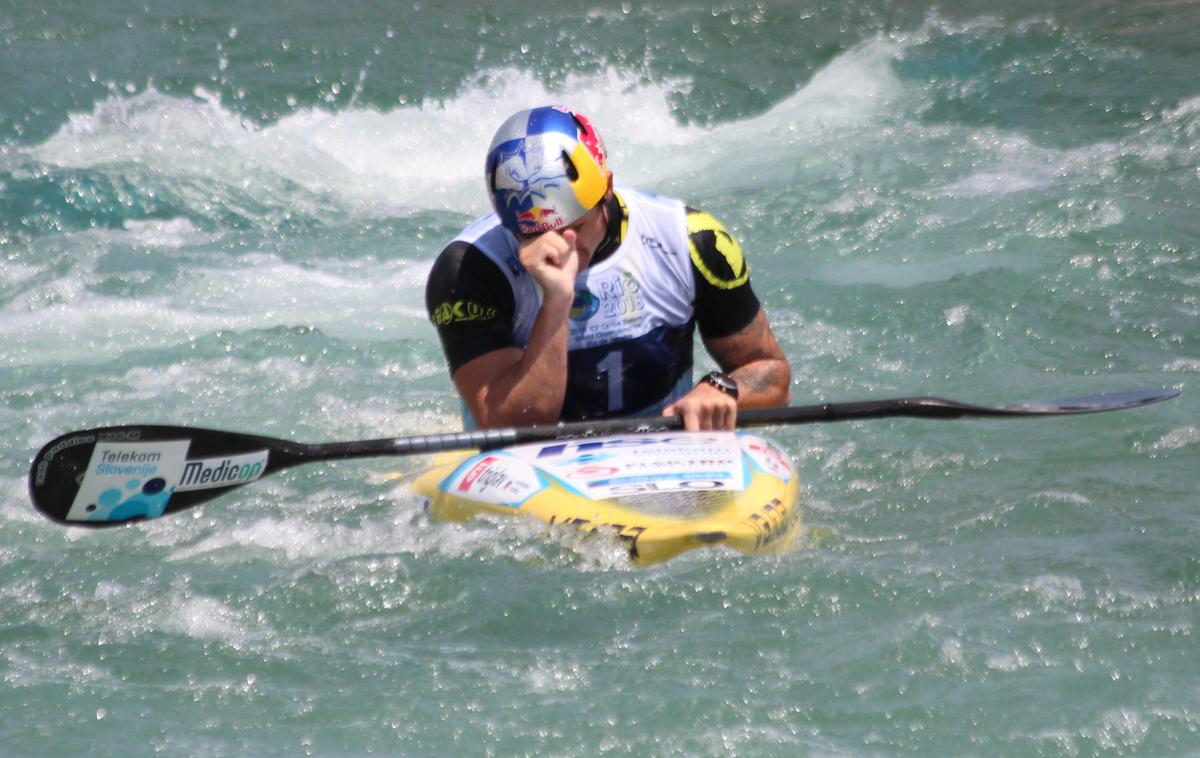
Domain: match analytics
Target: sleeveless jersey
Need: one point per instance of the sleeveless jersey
(632, 322)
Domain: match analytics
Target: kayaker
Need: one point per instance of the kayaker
(576, 300)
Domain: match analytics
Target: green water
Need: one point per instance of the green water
(224, 217)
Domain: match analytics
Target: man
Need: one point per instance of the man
(577, 300)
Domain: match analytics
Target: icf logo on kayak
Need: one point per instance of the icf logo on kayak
(587, 446)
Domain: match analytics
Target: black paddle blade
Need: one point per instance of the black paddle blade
(1111, 401)
(940, 408)
(104, 477)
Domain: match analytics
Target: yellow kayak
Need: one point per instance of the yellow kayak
(660, 493)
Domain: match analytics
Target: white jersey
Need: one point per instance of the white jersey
(631, 325)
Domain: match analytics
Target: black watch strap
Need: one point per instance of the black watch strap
(723, 382)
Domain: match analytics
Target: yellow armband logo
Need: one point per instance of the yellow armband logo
(454, 311)
(703, 224)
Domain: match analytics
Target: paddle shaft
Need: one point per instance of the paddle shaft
(912, 407)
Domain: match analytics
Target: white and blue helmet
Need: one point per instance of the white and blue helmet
(546, 167)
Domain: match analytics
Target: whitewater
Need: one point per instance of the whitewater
(224, 217)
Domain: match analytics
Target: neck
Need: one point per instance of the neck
(612, 235)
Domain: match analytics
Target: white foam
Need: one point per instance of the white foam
(424, 156)
(295, 539)
(1191, 365)
(206, 618)
(854, 87)
(404, 531)
(1055, 589)
(952, 653)
(1070, 498)
(75, 323)
(995, 183)
(1008, 662)
(14, 492)
(429, 155)
(548, 676)
(1121, 730)
(170, 234)
(838, 457)
(957, 315)
(14, 274)
(1004, 164)
(1175, 439)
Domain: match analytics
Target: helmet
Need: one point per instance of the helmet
(546, 167)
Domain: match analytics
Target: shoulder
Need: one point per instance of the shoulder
(482, 246)
(458, 259)
(464, 279)
(485, 226)
(716, 255)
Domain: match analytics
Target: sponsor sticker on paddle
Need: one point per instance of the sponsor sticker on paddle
(125, 480)
(225, 471)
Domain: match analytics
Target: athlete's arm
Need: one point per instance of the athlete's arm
(513, 386)
(473, 307)
(734, 330)
(754, 359)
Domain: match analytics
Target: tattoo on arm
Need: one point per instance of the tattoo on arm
(762, 376)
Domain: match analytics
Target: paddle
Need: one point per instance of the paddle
(108, 475)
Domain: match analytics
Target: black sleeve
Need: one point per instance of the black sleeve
(725, 303)
(470, 302)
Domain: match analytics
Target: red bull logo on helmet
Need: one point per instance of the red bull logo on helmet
(538, 219)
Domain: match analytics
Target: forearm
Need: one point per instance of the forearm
(756, 362)
(763, 383)
(532, 389)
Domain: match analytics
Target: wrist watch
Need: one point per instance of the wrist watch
(723, 382)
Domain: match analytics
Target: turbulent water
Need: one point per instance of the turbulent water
(223, 217)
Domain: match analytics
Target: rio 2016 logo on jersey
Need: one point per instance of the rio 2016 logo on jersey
(615, 295)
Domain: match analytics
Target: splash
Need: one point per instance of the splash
(428, 156)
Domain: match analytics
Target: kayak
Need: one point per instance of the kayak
(661, 494)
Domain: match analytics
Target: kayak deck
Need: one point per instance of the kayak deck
(660, 494)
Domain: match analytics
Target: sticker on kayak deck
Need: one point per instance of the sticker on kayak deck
(494, 479)
(606, 467)
(767, 457)
(125, 480)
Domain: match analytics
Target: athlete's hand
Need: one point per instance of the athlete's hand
(703, 408)
(552, 259)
